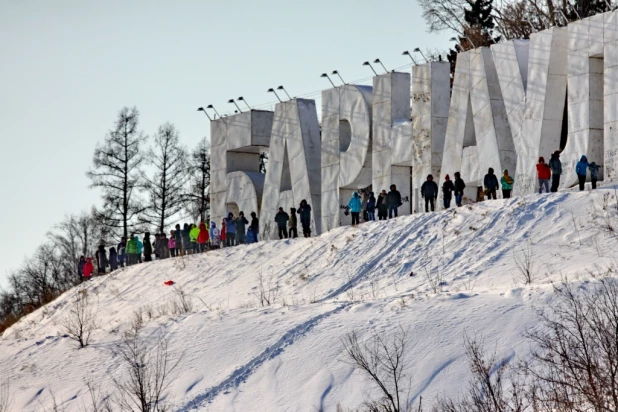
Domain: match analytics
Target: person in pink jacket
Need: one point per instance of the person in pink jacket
(172, 244)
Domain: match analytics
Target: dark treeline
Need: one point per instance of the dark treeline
(146, 185)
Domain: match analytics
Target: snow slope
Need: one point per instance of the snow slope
(240, 356)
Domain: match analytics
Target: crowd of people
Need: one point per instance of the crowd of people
(235, 230)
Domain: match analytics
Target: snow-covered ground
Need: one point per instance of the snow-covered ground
(240, 356)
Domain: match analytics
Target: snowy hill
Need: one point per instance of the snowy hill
(238, 355)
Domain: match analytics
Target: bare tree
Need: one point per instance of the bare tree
(198, 196)
(576, 365)
(493, 387)
(383, 359)
(525, 264)
(77, 235)
(97, 401)
(148, 371)
(116, 170)
(81, 319)
(166, 187)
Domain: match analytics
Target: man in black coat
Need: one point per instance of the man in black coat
(304, 210)
(241, 230)
(255, 227)
(382, 206)
(491, 184)
(460, 185)
(282, 221)
(147, 248)
(429, 190)
(393, 200)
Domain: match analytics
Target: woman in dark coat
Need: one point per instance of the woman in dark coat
(304, 210)
(113, 258)
(101, 259)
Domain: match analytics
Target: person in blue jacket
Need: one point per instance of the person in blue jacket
(230, 230)
(581, 169)
(355, 207)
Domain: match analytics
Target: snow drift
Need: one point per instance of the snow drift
(265, 321)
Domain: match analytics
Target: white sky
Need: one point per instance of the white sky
(67, 67)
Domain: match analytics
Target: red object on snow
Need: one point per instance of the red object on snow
(169, 282)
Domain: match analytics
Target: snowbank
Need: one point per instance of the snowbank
(240, 356)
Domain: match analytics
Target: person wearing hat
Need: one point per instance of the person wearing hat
(429, 191)
(447, 191)
(507, 184)
(555, 166)
(281, 218)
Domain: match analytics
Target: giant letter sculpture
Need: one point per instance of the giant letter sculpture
(585, 95)
(346, 149)
(478, 135)
(293, 172)
(430, 106)
(391, 123)
(236, 143)
(533, 79)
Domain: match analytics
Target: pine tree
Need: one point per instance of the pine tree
(198, 197)
(116, 170)
(167, 185)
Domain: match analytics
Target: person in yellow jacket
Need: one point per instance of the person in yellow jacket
(193, 234)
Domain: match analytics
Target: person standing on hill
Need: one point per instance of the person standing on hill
(393, 200)
(186, 239)
(122, 251)
(581, 169)
(371, 207)
(223, 234)
(165, 249)
(382, 206)
(594, 173)
(101, 256)
(215, 235)
(230, 230)
(147, 248)
(281, 218)
(113, 259)
(355, 207)
(460, 185)
(491, 184)
(178, 241)
(447, 191)
(293, 224)
(555, 165)
(364, 195)
(88, 269)
(202, 237)
(429, 191)
(140, 249)
(304, 211)
(543, 173)
(193, 234)
(131, 251)
(80, 267)
(255, 226)
(241, 228)
(171, 243)
(507, 184)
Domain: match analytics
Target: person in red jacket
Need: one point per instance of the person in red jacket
(88, 269)
(543, 173)
(202, 238)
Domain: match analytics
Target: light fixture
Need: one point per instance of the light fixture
(242, 99)
(417, 50)
(285, 91)
(337, 73)
(235, 104)
(371, 67)
(210, 106)
(326, 75)
(271, 90)
(407, 53)
(201, 109)
(378, 61)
